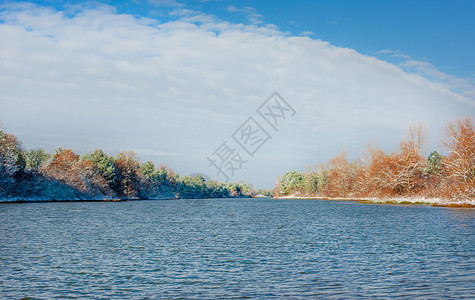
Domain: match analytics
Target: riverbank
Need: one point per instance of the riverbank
(437, 202)
(30, 200)
(393, 200)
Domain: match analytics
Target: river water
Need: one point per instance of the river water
(235, 248)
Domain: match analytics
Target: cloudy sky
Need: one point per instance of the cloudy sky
(174, 80)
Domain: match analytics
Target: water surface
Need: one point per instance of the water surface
(231, 248)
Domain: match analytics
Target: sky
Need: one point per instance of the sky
(238, 90)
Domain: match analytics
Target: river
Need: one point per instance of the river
(235, 248)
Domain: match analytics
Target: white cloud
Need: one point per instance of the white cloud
(307, 33)
(394, 53)
(98, 79)
(250, 12)
(429, 71)
(164, 3)
(463, 86)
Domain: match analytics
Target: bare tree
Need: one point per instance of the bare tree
(370, 175)
(417, 138)
(342, 176)
(460, 144)
(399, 172)
(410, 160)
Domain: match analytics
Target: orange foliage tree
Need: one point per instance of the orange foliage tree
(410, 162)
(372, 176)
(405, 172)
(342, 176)
(128, 165)
(460, 144)
(460, 162)
(67, 167)
(398, 173)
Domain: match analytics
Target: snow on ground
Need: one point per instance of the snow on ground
(394, 200)
(391, 200)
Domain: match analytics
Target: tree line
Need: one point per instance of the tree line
(403, 173)
(65, 175)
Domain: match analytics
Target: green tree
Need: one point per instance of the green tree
(293, 181)
(193, 187)
(106, 167)
(34, 159)
(434, 163)
(12, 162)
(148, 170)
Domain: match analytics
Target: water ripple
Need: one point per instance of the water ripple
(235, 248)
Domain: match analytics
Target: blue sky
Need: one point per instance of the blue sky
(437, 31)
(440, 32)
(173, 80)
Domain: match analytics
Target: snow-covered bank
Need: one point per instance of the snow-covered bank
(40, 199)
(79, 198)
(395, 200)
(99, 199)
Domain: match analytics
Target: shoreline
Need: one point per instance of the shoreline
(78, 200)
(36, 200)
(435, 202)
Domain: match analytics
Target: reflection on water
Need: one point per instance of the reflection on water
(235, 247)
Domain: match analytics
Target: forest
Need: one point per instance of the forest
(404, 173)
(65, 175)
(27, 175)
